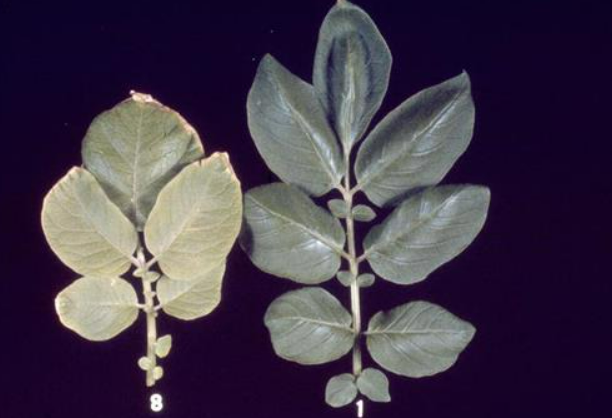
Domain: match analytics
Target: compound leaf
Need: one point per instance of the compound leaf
(417, 339)
(196, 219)
(191, 299)
(351, 70)
(135, 148)
(426, 231)
(287, 235)
(340, 390)
(85, 229)
(374, 385)
(309, 326)
(416, 144)
(97, 308)
(290, 130)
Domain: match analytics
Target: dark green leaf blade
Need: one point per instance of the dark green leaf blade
(426, 231)
(290, 130)
(137, 147)
(337, 207)
(344, 277)
(351, 70)
(417, 339)
(366, 280)
(309, 326)
(363, 213)
(340, 390)
(374, 385)
(416, 144)
(287, 235)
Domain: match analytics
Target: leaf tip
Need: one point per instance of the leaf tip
(141, 97)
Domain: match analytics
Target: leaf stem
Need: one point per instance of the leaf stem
(353, 265)
(149, 308)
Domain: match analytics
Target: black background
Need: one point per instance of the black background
(535, 282)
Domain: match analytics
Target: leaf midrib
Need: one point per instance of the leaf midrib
(332, 246)
(422, 220)
(365, 180)
(304, 126)
(95, 225)
(315, 321)
(133, 199)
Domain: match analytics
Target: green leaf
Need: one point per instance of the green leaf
(163, 346)
(374, 385)
(158, 372)
(309, 326)
(196, 219)
(145, 363)
(340, 390)
(135, 148)
(345, 277)
(416, 144)
(351, 70)
(363, 213)
(97, 308)
(85, 229)
(191, 299)
(417, 339)
(287, 235)
(290, 130)
(366, 280)
(426, 231)
(337, 207)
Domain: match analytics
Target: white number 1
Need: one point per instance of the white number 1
(359, 408)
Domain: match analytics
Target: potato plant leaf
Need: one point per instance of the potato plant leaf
(86, 230)
(366, 280)
(158, 372)
(363, 213)
(417, 339)
(145, 363)
(146, 176)
(351, 70)
(399, 164)
(290, 131)
(337, 207)
(374, 385)
(196, 219)
(163, 345)
(416, 144)
(287, 235)
(426, 231)
(191, 299)
(97, 308)
(344, 277)
(135, 148)
(340, 390)
(309, 326)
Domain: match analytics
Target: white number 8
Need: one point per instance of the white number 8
(157, 402)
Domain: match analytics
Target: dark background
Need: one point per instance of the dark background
(535, 282)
